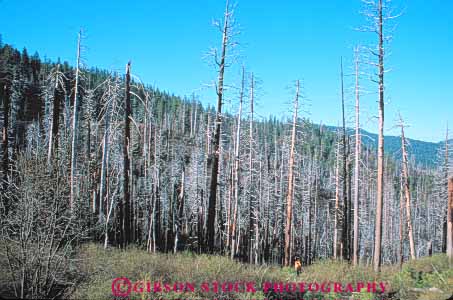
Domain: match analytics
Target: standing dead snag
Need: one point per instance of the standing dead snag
(337, 219)
(344, 154)
(378, 28)
(252, 204)
(450, 221)
(355, 250)
(407, 193)
(444, 233)
(126, 223)
(58, 85)
(5, 138)
(218, 121)
(179, 210)
(236, 168)
(75, 125)
(289, 197)
(401, 250)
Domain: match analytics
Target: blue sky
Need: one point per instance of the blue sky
(279, 41)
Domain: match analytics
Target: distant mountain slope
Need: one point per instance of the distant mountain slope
(424, 153)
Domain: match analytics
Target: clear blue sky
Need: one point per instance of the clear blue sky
(280, 42)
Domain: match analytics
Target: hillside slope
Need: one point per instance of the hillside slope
(424, 153)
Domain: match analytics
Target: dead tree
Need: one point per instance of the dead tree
(407, 193)
(345, 221)
(355, 251)
(446, 162)
(111, 96)
(377, 13)
(236, 167)
(75, 124)
(450, 221)
(180, 210)
(226, 35)
(251, 182)
(289, 197)
(58, 84)
(5, 137)
(337, 218)
(126, 222)
(401, 250)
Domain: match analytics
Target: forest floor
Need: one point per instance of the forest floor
(94, 269)
(426, 278)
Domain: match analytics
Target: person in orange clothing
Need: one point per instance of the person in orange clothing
(297, 265)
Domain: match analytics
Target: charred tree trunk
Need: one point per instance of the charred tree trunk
(216, 144)
(126, 226)
(345, 221)
(53, 142)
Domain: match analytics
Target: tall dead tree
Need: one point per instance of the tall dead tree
(180, 210)
(345, 221)
(401, 229)
(446, 162)
(289, 197)
(75, 124)
(126, 222)
(337, 217)
(252, 203)
(111, 99)
(5, 137)
(378, 22)
(450, 221)
(355, 250)
(53, 138)
(407, 193)
(226, 35)
(236, 167)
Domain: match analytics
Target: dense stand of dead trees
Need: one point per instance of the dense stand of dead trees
(168, 174)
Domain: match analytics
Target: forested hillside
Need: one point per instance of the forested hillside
(93, 155)
(424, 153)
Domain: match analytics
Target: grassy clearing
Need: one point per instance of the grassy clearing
(99, 267)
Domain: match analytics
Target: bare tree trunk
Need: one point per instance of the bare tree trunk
(105, 151)
(337, 220)
(380, 170)
(289, 198)
(126, 226)
(345, 221)
(251, 181)
(75, 125)
(450, 222)
(236, 167)
(53, 139)
(401, 257)
(444, 233)
(5, 158)
(355, 251)
(216, 145)
(407, 192)
(180, 207)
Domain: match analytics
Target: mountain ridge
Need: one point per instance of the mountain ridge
(424, 153)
